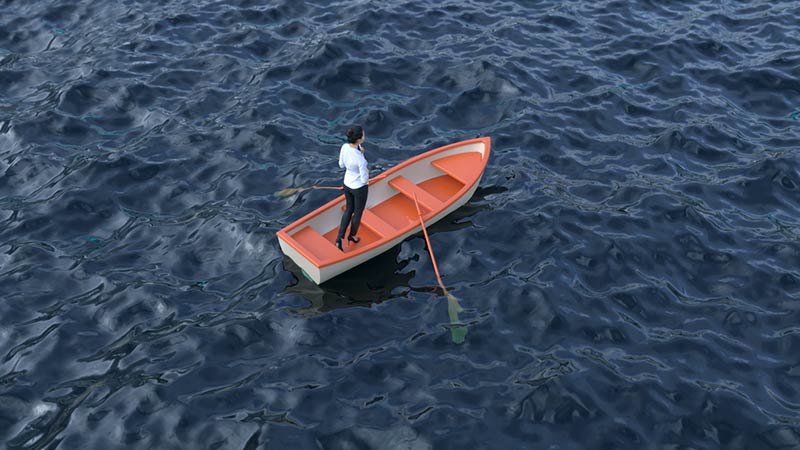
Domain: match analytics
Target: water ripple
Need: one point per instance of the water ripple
(628, 264)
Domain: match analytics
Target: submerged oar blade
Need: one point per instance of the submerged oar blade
(458, 331)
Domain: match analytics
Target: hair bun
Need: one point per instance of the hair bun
(353, 134)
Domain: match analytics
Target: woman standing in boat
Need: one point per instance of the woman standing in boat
(356, 183)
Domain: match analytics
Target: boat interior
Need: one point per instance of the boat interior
(390, 209)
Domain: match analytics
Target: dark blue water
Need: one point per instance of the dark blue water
(628, 270)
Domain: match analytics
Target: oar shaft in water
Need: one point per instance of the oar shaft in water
(430, 248)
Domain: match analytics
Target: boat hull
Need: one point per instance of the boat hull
(443, 179)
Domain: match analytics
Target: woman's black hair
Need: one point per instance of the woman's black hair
(353, 134)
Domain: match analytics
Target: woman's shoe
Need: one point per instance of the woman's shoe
(354, 239)
(339, 244)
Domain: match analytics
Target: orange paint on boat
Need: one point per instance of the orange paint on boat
(441, 179)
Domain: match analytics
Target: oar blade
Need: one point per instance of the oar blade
(288, 192)
(458, 331)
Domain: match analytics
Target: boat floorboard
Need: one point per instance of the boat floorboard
(398, 211)
(366, 235)
(443, 187)
(320, 246)
(382, 220)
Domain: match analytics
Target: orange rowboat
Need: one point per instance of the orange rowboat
(442, 180)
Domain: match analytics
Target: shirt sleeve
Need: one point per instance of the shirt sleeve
(341, 158)
(362, 170)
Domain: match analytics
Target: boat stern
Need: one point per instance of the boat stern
(310, 270)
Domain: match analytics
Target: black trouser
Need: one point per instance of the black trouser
(356, 201)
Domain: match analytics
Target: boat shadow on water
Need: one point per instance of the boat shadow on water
(384, 277)
(368, 284)
(379, 280)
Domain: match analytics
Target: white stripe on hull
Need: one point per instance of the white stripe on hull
(320, 275)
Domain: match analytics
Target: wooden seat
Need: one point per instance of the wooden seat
(464, 167)
(409, 189)
(316, 244)
(378, 225)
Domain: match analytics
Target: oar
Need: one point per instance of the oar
(296, 190)
(377, 178)
(457, 330)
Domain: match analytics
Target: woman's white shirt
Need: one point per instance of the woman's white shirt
(353, 160)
